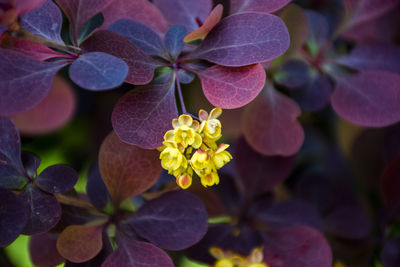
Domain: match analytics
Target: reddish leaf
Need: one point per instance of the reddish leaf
(79, 12)
(52, 113)
(23, 6)
(270, 125)
(390, 184)
(184, 12)
(127, 170)
(244, 39)
(141, 66)
(213, 18)
(257, 5)
(143, 115)
(140, 10)
(43, 250)
(297, 247)
(232, 87)
(132, 253)
(80, 243)
(369, 98)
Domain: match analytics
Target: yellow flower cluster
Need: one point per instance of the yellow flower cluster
(230, 259)
(191, 146)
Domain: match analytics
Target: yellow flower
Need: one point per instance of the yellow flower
(210, 126)
(230, 259)
(201, 159)
(185, 132)
(172, 158)
(184, 180)
(221, 157)
(224, 263)
(208, 178)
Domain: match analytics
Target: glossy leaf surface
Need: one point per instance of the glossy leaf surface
(96, 189)
(57, 179)
(369, 98)
(270, 125)
(44, 211)
(80, 243)
(44, 21)
(244, 39)
(257, 5)
(232, 87)
(24, 81)
(43, 250)
(260, 173)
(174, 40)
(141, 66)
(143, 115)
(127, 170)
(98, 71)
(12, 217)
(173, 221)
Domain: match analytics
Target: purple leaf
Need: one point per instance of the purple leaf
(3, 29)
(349, 222)
(132, 253)
(184, 12)
(297, 247)
(373, 56)
(79, 12)
(244, 39)
(23, 6)
(293, 73)
(257, 5)
(44, 210)
(57, 179)
(368, 98)
(139, 34)
(24, 81)
(173, 221)
(141, 66)
(390, 254)
(139, 10)
(174, 40)
(270, 125)
(43, 250)
(44, 21)
(318, 31)
(185, 76)
(232, 87)
(98, 71)
(289, 213)
(390, 184)
(143, 115)
(96, 189)
(10, 144)
(10, 177)
(260, 173)
(12, 217)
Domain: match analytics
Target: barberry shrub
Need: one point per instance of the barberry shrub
(108, 156)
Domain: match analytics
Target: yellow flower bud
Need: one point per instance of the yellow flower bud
(184, 180)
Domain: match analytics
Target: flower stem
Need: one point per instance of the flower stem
(178, 85)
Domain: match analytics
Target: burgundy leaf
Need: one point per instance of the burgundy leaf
(23, 6)
(79, 12)
(44, 21)
(96, 189)
(174, 40)
(24, 81)
(141, 66)
(184, 12)
(139, 10)
(270, 125)
(10, 144)
(44, 210)
(52, 113)
(12, 217)
(257, 5)
(143, 115)
(127, 170)
(232, 87)
(260, 173)
(373, 56)
(43, 251)
(57, 179)
(98, 71)
(80, 243)
(139, 34)
(132, 253)
(297, 247)
(369, 98)
(244, 39)
(390, 184)
(174, 221)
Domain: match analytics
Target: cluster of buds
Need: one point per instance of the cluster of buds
(230, 259)
(191, 148)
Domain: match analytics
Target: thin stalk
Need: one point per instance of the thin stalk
(178, 85)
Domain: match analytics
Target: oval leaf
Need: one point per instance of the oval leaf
(369, 98)
(174, 221)
(270, 125)
(43, 250)
(257, 5)
(10, 144)
(174, 40)
(96, 189)
(80, 243)
(12, 217)
(98, 71)
(244, 39)
(57, 179)
(127, 170)
(10, 177)
(232, 87)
